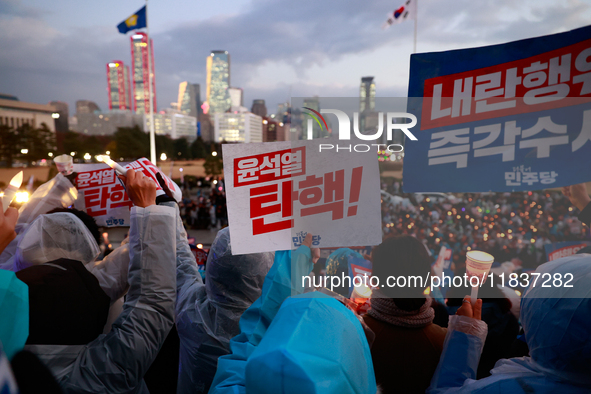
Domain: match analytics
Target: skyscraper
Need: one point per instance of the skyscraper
(61, 122)
(118, 85)
(140, 77)
(259, 108)
(235, 97)
(189, 101)
(367, 94)
(86, 107)
(218, 81)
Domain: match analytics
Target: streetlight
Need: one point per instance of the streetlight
(55, 115)
(214, 153)
(163, 156)
(24, 151)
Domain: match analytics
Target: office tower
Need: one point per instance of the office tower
(367, 94)
(259, 108)
(118, 85)
(139, 73)
(86, 107)
(235, 97)
(218, 81)
(238, 127)
(61, 120)
(189, 100)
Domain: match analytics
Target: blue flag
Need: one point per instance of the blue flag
(136, 21)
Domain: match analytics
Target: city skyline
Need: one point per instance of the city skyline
(58, 51)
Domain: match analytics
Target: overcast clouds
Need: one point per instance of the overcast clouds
(58, 50)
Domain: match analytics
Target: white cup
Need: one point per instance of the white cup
(478, 264)
(64, 164)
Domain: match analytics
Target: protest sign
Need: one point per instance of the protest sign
(103, 195)
(508, 117)
(564, 249)
(280, 191)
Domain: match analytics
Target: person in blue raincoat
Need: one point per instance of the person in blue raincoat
(247, 368)
(557, 325)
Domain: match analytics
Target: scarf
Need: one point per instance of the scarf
(384, 309)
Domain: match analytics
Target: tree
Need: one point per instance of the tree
(9, 144)
(131, 143)
(198, 149)
(181, 149)
(213, 166)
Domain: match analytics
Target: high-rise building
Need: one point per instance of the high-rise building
(259, 108)
(274, 130)
(235, 97)
(218, 82)
(86, 107)
(367, 94)
(238, 127)
(118, 85)
(189, 101)
(61, 119)
(140, 76)
(173, 123)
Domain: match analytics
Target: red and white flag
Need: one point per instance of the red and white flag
(406, 11)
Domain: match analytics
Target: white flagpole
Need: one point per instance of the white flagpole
(416, 21)
(152, 137)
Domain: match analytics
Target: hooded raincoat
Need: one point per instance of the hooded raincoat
(117, 362)
(208, 315)
(237, 373)
(557, 325)
(57, 193)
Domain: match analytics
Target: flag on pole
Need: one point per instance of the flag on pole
(135, 21)
(406, 11)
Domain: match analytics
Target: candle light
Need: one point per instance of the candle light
(10, 191)
(120, 170)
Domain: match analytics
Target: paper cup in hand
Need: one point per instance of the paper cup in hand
(64, 164)
(478, 264)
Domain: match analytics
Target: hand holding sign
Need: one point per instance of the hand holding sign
(315, 251)
(141, 189)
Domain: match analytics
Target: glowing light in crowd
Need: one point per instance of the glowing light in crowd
(21, 197)
(72, 153)
(199, 246)
(24, 151)
(87, 156)
(163, 156)
(108, 153)
(214, 153)
(55, 115)
(50, 154)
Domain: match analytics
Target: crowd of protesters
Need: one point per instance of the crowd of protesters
(510, 226)
(205, 211)
(143, 320)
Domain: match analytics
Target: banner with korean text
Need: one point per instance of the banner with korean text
(279, 191)
(103, 196)
(508, 117)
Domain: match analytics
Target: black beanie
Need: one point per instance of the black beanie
(66, 304)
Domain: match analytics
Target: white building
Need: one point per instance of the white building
(14, 113)
(238, 126)
(173, 123)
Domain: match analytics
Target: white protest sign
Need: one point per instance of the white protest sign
(279, 191)
(103, 195)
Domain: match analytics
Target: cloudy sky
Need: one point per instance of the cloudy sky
(57, 50)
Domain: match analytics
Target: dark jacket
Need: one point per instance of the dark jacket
(405, 359)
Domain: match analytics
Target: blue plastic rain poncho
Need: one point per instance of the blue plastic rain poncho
(314, 345)
(14, 313)
(117, 362)
(231, 374)
(208, 315)
(557, 325)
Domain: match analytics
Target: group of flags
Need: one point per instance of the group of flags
(406, 11)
